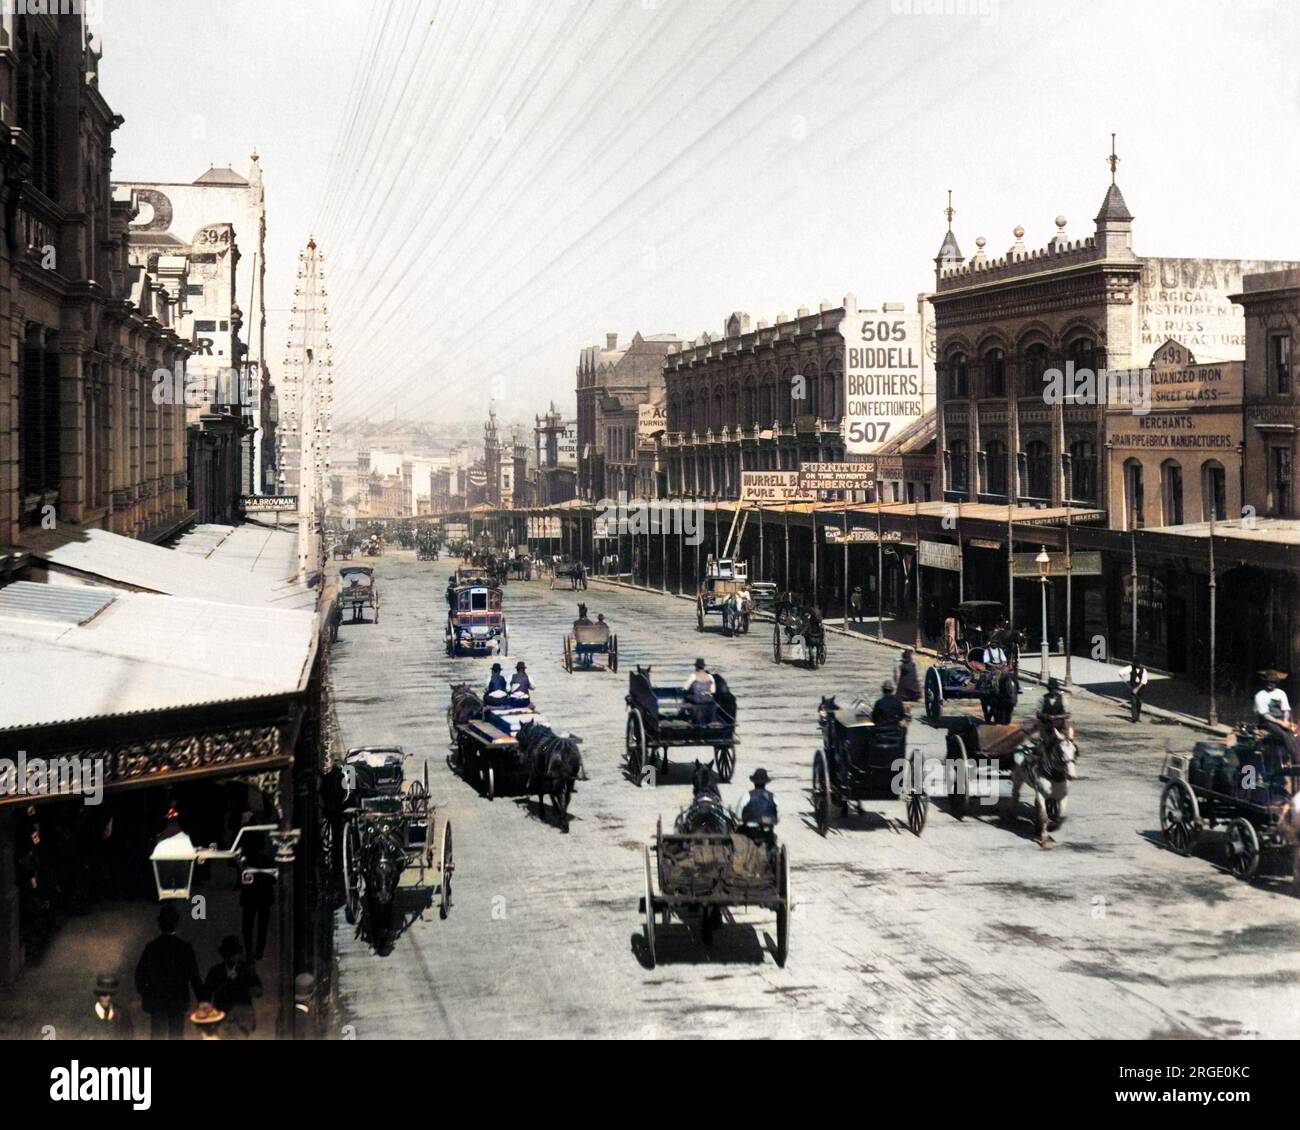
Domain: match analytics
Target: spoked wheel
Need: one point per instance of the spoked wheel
(649, 912)
(933, 695)
(354, 882)
(446, 868)
(783, 911)
(961, 786)
(918, 801)
(568, 654)
(821, 793)
(490, 783)
(776, 643)
(724, 761)
(1243, 848)
(1179, 818)
(635, 746)
(613, 653)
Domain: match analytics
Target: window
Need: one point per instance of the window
(194, 288)
(957, 465)
(958, 377)
(1171, 485)
(1037, 474)
(1279, 364)
(1035, 363)
(1279, 479)
(1083, 471)
(1133, 495)
(995, 373)
(1214, 492)
(40, 455)
(205, 327)
(996, 457)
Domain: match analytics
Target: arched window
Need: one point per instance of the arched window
(995, 373)
(958, 477)
(833, 410)
(751, 405)
(1083, 471)
(1134, 503)
(813, 391)
(1214, 491)
(719, 411)
(996, 459)
(784, 387)
(1171, 489)
(1036, 362)
(1038, 481)
(958, 376)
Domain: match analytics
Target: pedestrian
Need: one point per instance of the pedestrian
(909, 682)
(165, 975)
(1135, 676)
(256, 897)
(230, 986)
(109, 1020)
(855, 603)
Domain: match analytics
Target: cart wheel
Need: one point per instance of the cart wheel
(724, 761)
(776, 643)
(613, 653)
(1243, 848)
(961, 787)
(354, 883)
(635, 745)
(446, 867)
(568, 655)
(933, 695)
(918, 801)
(490, 781)
(1179, 818)
(649, 911)
(821, 793)
(783, 911)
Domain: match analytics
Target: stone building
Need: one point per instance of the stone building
(83, 440)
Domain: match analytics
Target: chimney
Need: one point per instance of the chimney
(611, 341)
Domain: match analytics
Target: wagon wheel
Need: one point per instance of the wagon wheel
(933, 695)
(635, 745)
(918, 801)
(776, 642)
(568, 654)
(821, 793)
(354, 881)
(961, 787)
(1179, 817)
(699, 614)
(1243, 848)
(783, 911)
(490, 783)
(649, 911)
(613, 653)
(724, 761)
(446, 867)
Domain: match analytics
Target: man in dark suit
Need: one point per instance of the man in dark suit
(165, 976)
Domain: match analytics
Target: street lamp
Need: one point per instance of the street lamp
(1044, 564)
(174, 857)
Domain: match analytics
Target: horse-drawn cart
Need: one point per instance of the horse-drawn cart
(982, 664)
(701, 873)
(1242, 784)
(587, 641)
(476, 623)
(388, 842)
(357, 592)
(725, 592)
(662, 718)
(859, 759)
(798, 635)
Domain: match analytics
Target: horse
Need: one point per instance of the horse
(466, 706)
(1047, 765)
(706, 812)
(553, 764)
(383, 858)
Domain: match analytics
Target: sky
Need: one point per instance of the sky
(496, 184)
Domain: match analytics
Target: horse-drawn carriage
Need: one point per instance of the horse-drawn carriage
(983, 664)
(663, 718)
(798, 635)
(476, 624)
(426, 546)
(725, 592)
(565, 568)
(388, 842)
(859, 759)
(506, 746)
(1243, 784)
(586, 642)
(701, 873)
(1041, 756)
(357, 592)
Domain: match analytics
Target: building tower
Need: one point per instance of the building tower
(306, 405)
(492, 457)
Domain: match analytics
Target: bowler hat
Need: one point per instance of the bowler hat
(230, 945)
(1270, 675)
(699, 665)
(496, 666)
(107, 983)
(168, 917)
(887, 686)
(760, 777)
(1053, 684)
(519, 666)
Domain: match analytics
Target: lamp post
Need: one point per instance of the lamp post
(1044, 563)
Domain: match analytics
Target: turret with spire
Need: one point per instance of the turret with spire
(949, 253)
(1114, 221)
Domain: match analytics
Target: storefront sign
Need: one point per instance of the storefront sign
(1175, 431)
(650, 418)
(1085, 563)
(270, 503)
(772, 486)
(984, 543)
(883, 377)
(1178, 381)
(835, 535)
(940, 555)
(837, 476)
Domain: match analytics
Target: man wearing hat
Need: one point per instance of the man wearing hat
(760, 806)
(1055, 705)
(497, 681)
(520, 683)
(1273, 712)
(909, 682)
(889, 712)
(700, 689)
(164, 977)
(231, 986)
(109, 1021)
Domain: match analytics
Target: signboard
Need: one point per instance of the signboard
(940, 555)
(836, 536)
(1175, 431)
(883, 377)
(983, 543)
(543, 526)
(270, 503)
(889, 467)
(1177, 380)
(568, 444)
(1086, 563)
(650, 418)
(456, 531)
(837, 476)
(772, 486)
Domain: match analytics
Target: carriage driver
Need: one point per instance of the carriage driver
(497, 682)
(1055, 707)
(700, 689)
(760, 806)
(520, 683)
(889, 712)
(1273, 713)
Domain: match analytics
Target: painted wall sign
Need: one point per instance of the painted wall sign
(270, 503)
(940, 555)
(772, 486)
(837, 476)
(1083, 563)
(1175, 431)
(884, 381)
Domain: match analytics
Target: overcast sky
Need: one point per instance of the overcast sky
(497, 183)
